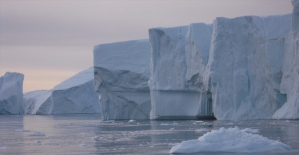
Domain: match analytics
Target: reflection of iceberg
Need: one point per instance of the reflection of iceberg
(121, 76)
(229, 140)
(11, 93)
(74, 95)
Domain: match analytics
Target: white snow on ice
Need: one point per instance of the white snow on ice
(229, 140)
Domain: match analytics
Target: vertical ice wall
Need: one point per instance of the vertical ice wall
(121, 73)
(179, 57)
(290, 78)
(11, 93)
(245, 63)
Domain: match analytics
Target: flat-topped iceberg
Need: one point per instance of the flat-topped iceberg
(11, 93)
(230, 140)
(74, 95)
(121, 72)
(179, 57)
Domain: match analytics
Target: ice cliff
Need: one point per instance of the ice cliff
(290, 71)
(74, 95)
(179, 56)
(11, 93)
(121, 72)
(231, 69)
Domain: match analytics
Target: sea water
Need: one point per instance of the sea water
(88, 134)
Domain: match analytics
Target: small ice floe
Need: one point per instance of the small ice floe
(249, 130)
(202, 130)
(37, 134)
(171, 129)
(21, 130)
(198, 122)
(95, 138)
(229, 140)
(132, 121)
(82, 144)
(39, 142)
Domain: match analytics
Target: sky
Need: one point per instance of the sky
(51, 40)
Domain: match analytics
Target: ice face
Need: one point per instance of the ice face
(11, 93)
(179, 57)
(290, 110)
(231, 69)
(245, 65)
(74, 95)
(229, 140)
(121, 78)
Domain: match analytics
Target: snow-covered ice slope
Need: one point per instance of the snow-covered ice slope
(230, 140)
(290, 78)
(245, 66)
(74, 95)
(179, 57)
(121, 77)
(11, 93)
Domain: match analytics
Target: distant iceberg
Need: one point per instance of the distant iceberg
(74, 95)
(230, 140)
(11, 93)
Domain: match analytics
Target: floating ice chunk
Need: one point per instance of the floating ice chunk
(132, 121)
(229, 140)
(22, 130)
(37, 134)
(39, 142)
(249, 130)
(202, 130)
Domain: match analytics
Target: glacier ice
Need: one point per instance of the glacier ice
(229, 140)
(179, 57)
(231, 69)
(74, 95)
(290, 78)
(244, 69)
(121, 73)
(11, 93)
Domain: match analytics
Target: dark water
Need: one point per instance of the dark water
(87, 134)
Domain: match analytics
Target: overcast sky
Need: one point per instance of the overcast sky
(50, 40)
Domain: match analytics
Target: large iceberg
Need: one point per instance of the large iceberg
(11, 93)
(121, 72)
(245, 66)
(231, 69)
(179, 56)
(74, 95)
(290, 72)
(230, 140)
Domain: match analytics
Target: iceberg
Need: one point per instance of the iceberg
(121, 74)
(11, 93)
(179, 57)
(72, 96)
(245, 66)
(290, 78)
(230, 140)
(231, 69)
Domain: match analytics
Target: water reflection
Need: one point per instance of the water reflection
(87, 134)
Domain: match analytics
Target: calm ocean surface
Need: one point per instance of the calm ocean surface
(87, 134)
